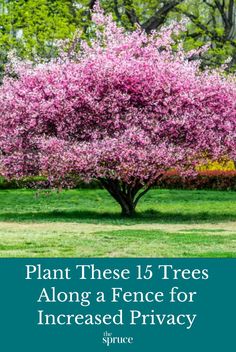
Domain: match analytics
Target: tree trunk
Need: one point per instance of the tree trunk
(127, 209)
(127, 195)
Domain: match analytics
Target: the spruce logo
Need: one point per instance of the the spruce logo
(108, 339)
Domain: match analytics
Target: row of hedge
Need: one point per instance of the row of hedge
(39, 182)
(215, 180)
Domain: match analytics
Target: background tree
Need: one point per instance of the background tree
(34, 26)
(213, 22)
(123, 111)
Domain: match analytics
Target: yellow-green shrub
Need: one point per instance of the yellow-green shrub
(219, 166)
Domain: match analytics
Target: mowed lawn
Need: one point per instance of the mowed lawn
(87, 223)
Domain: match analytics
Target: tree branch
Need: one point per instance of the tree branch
(141, 194)
(209, 4)
(160, 16)
(91, 4)
(130, 12)
(116, 10)
(232, 19)
(212, 34)
(221, 10)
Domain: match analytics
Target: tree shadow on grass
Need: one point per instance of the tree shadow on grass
(148, 216)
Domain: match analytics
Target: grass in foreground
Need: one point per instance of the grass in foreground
(87, 223)
(117, 243)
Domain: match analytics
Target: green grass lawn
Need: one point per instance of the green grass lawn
(87, 223)
(96, 206)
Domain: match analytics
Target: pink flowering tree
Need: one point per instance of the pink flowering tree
(124, 110)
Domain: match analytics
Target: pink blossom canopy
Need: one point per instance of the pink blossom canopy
(126, 108)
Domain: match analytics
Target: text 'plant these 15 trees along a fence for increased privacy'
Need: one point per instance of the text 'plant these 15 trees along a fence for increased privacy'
(123, 110)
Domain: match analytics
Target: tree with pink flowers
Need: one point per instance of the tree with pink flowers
(123, 110)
